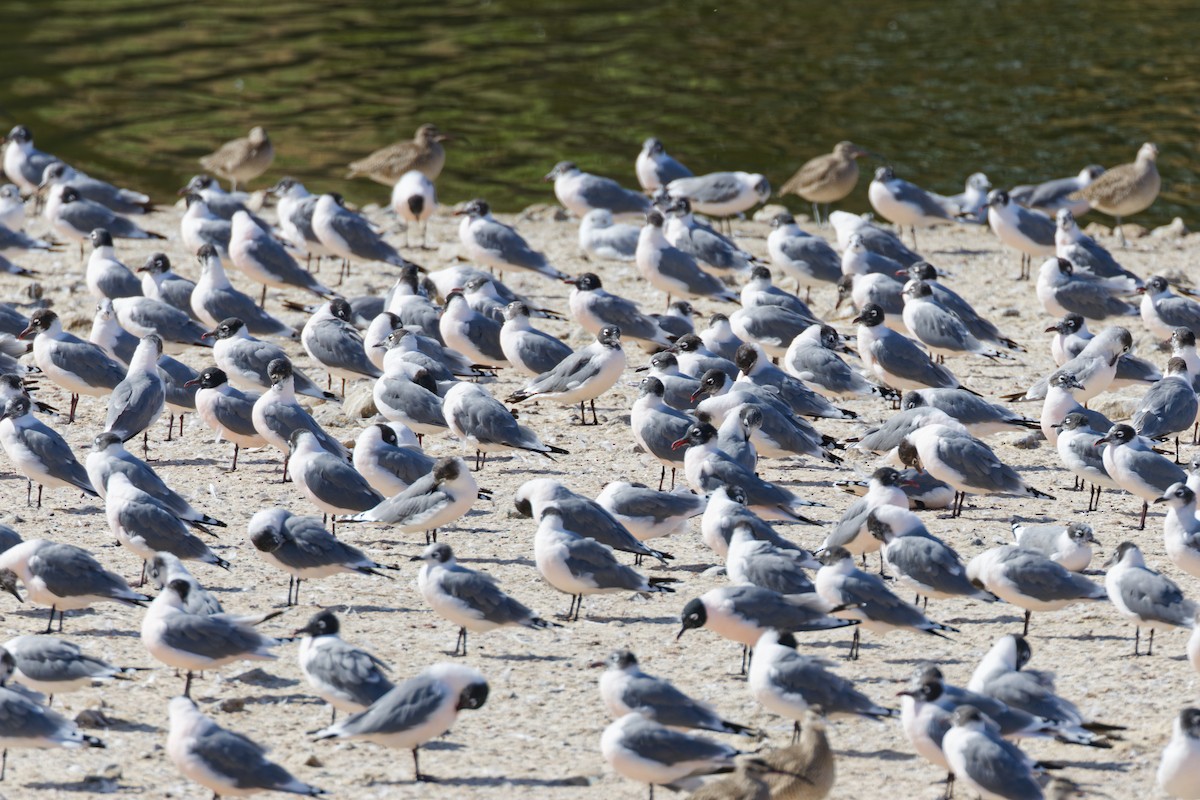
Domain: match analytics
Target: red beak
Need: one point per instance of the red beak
(678, 444)
(25, 332)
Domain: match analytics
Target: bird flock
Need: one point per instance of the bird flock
(482, 361)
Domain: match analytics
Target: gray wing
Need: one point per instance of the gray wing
(284, 419)
(772, 324)
(879, 603)
(1091, 256)
(777, 572)
(622, 239)
(1047, 580)
(421, 500)
(311, 546)
(1155, 597)
(824, 368)
(275, 260)
(1179, 312)
(338, 344)
(670, 706)
(1156, 470)
(821, 260)
(134, 404)
(239, 760)
(362, 240)
(406, 706)
(122, 201)
(771, 610)
(84, 215)
(1167, 407)
(879, 264)
(912, 194)
(407, 463)
(659, 506)
(235, 413)
(117, 281)
(1000, 768)
(70, 571)
(1084, 448)
(718, 187)
(490, 422)
(880, 241)
(941, 329)
(720, 472)
(484, 333)
(56, 455)
(542, 352)
(48, 659)
(980, 467)
(714, 249)
(216, 232)
(162, 531)
(413, 400)
(590, 560)
(22, 717)
(142, 476)
(1024, 692)
(508, 245)
(174, 375)
(87, 361)
(569, 373)
(485, 597)
(210, 636)
(932, 563)
(351, 671)
(1045, 195)
(601, 192)
(229, 302)
(665, 746)
(339, 484)
(819, 687)
(17, 240)
(1139, 370)
(659, 430)
(679, 266)
(965, 407)
(888, 293)
(616, 310)
(1035, 226)
(893, 430)
(1092, 300)
(302, 213)
(12, 321)
(900, 356)
(850, 525)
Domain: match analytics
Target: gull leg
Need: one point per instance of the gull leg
(1141, 524)
(74, 405)
(187, 685)
(595, 421)
(235, 455)
(50, 624)
(1025, 630)
(795, 732)
(1150, 649)
(1137, 635)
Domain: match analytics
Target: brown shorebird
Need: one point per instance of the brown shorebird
(1127, 189)
(241, 160)
(423, 153)
(805, 770)
(828, 178)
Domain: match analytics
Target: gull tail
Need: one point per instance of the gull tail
(1032, 492)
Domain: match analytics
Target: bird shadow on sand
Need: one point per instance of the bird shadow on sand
(520, 562)
(1006, 619)
(129, 726)
(354, 608)
(916, 662)
(627, 620)
(91, 785)
(1099, 766)
(518, 657)
(882, 755)
(1088, 637)
(500, 780)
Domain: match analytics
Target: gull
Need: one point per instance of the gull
(471, 600)
(646, 513)
(1126, 189)
(1052, 196)
(241, 160)
(262, 259)
(656, 427)
(858, 259)
(1094, 369)
(645, 751)
(708, 468)
(721, 194)
(1030, 580)
(277, 415)
(905, 204)
(695, 358)
(222, 761)
(227, 411)
(894, 359)
(54, 666)
(789, 684)
(493, 244)
(883, 489)
(718, 337)
(325, 477)
(939, 328)
(122, 201)
(580, 516)
(1085, 252)
(431, 502)
(109, 456)
(424, 153)
(387, 464)
(655, 168)
(865, 597)
(15, 243)
(725, 511)
(72, 216)
(137, 402)
(887, 438)
(1180, 528)
(1028, 232)
(222, 203)
(198, 642)
(1169, 406)
(981, 328)
(771, 327)
(416, 711)
(24, 164)
(1069, 545)
(301, 547)
(601, 238)
(1179, 769)
(414, 199)
(919, 560)
(593, 309)
(923, 491)
(734, 435)
(348, 678)
(348, 235)
(1147, 597)
(759, 563)
(808, 260)
(985, 763)
(26, 722)
(715, 253)
(200, 226)
(1059, 404)
(1062, 290)
(145, 526)
(813, 358)
(143, 316)
(105, 275)
(333, 342)
(678, 388)
(583, 376)
(12, 207)
(482, 422)
(39, 452)
(874, 237)
(164, 568)
(481, 294)
(215, 299)
(970, 205)
(159, 282)
(1141, 472)
(827, 178)
(999, 676)
(580, 192)
(525, 347)
(295, 210)
(1163, 311)
(973, 412)
(881, 290)
(624, 688)
(63, 577)
(578, 565)
(1183, 345)
(959, 459)
(245, 360)
(474, 335)
(672, 271)
(408, 394)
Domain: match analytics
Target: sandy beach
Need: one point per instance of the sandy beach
(538, 735)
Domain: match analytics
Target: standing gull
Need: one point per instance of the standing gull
(671, 270)
(1141, 472)
(1052, 196)
(215, 299)
(389, 463)
(1180, 528)
(1030, 580)
(122, 201)
(106, 276)
(1028, 232)
(325, 477)
(145, 526)
(482, 422)
(1179, 768)
(594, 308)
(581, 377)
(645, 751)
(721, 194)
(1062, 290)
(277, 415)
(646, 513)
(581, 192)
(348, 678)
(241, 160)
(227, 411)
(808, 260)
(919, 560)
(137, 402)
(600, 237)
(262, 259)
(987, 764)
(905, 204)
(1145, 596)
(245, 360)
(39, 452)
(493, 244)
(73, 217)
(55, 666)
(655, 168)
(431, 502)
(525, 347)
(894, 359)
(333, 342)
(200, 226)
(656, 426)
(24, 164)
(1163, 311)
(414, 199)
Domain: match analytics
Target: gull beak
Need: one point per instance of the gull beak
(28, 330)
(193, 381)
(1156, 501)
(682, 631)
(1103, 440)
(596, 665)
(675, 446)
(1140, 290)
(208, 334)
(696, 394)
(1052, 329)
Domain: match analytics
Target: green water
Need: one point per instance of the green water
(135, 91)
